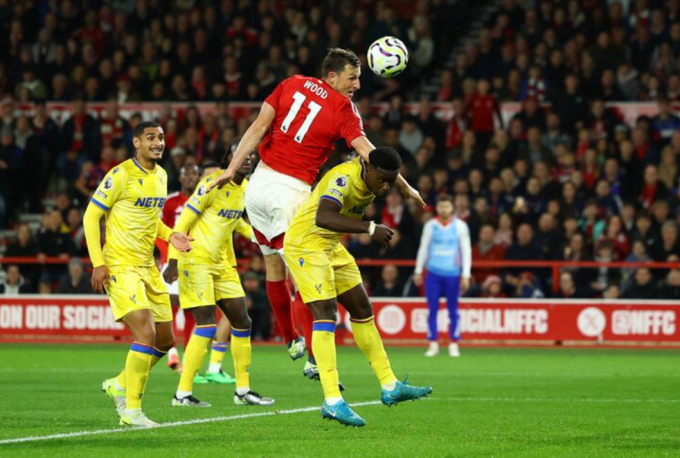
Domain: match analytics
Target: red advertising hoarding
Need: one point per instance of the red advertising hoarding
(400, 321)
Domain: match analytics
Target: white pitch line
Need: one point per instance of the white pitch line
(312, 409)
(594, 400)
(173, 424)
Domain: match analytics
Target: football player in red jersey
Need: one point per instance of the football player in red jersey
(298, 125)
(189, 175)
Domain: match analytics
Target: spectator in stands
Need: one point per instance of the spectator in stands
(548, 238)
(670, 288)
(11, 172)
(53, 243)
(487, 250)
(492, 288)
(25, 246)
(81, 132)
(670, 243)
(523, 249)
(643, 286)
(75, 281)
(605, 276)
(482, 110)
(645, 232)
(14, 284)
(665, 123)
(568, 289)
(389, 285)
(258, 306)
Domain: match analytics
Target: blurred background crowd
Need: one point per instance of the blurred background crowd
(565, 178)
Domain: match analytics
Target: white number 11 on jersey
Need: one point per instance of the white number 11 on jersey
(314, 109)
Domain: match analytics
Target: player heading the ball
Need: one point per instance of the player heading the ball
(298, 125)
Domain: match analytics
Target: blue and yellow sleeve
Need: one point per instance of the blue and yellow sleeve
(106, 195)
(336, 189)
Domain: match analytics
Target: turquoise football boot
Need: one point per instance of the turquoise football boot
(404, 392)
(342, 413)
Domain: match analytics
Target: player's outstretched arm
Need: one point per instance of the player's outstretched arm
(91, 219)
(363, 146)
(328, 217)
(186, 221)
(251, 138)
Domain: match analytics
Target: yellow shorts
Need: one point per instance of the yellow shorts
(133, 288)
(322, 275)
(201, 285)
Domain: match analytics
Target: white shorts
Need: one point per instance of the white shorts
(272, 199)
(173, 288)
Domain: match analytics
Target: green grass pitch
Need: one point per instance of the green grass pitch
(490, 402)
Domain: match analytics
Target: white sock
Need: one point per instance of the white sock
(130, 412)
(173, 352)
(118, 387)
(214, 368)
(389, 386)
(333, 401)
(182, 394)
(242, 391)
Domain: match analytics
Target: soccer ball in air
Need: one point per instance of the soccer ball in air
(387, 57)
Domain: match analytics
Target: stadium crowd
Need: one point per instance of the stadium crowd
(564, 179)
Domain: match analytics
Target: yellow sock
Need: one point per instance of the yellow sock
(137, 366)
(323, 345)
(194, 355)
(121, 378)
(368, 339)
(157, 356)
(217, 354)
(121, 381)
(241, 352)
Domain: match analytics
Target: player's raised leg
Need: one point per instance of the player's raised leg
(279, 295)
(220, 345)
(323, 340)
(241, 351)
(194, 355)
(369, 341)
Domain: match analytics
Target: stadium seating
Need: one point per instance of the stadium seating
(567, 171)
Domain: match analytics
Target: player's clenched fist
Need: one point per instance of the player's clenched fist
(99, 276)
(181, 242)
(382, 235)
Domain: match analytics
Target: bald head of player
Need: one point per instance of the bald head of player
(382, 171)
(341, 69)
(148, 139)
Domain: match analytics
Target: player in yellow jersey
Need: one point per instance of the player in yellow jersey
(207, 278)
(325, 273)
(131, 197)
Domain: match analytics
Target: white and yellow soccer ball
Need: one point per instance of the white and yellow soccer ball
(387, 57)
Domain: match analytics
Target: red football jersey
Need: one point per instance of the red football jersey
(171, 212)
(310, 117)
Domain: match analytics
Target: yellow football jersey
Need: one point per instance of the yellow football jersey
(343, 184)
(215, 217)
(246, 230)
(133, 198)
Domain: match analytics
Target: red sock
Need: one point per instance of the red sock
(279, 297)
(305, 319)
